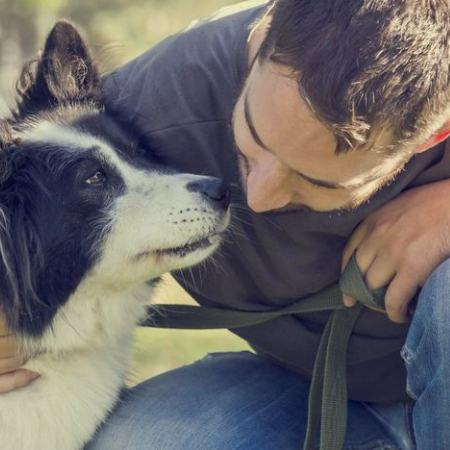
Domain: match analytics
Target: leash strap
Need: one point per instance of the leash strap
(328, 392)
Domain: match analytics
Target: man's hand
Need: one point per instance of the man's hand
(11, 377)
(401, 244)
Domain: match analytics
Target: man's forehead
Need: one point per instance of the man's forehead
(286, 125)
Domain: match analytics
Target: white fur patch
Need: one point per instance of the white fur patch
(53, 133)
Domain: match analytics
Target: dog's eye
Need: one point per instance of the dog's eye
(97, 179)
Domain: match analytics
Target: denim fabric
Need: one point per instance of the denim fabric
(240, 401)
(225, 401)
(427, 357)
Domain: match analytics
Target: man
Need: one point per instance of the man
(328, 119)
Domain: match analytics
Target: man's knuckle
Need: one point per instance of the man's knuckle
(391, 252)
(379, 229)
(409, 267)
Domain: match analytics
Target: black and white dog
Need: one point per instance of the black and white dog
(85, 221)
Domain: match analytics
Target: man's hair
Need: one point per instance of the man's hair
(366, 65)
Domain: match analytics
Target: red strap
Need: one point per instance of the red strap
(441, 136)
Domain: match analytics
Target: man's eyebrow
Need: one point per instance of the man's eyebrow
(321, 183)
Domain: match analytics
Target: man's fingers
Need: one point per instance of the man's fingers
(348, 301)
(353, 243)
(346, 255)
(16, 380)
(380, 273)
(398, 297)
(8, 347)
(10, 364)
(11, 376)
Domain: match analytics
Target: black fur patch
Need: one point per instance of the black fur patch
(51, 229)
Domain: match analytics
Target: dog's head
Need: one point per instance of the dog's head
(79, 204)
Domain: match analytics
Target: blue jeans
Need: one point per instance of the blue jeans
(240, 401)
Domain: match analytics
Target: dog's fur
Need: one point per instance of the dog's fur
(85, 221)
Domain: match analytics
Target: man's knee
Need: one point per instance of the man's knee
(427, 340)
(434, 299)
(226, 400)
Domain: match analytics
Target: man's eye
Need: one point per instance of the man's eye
(99, 178)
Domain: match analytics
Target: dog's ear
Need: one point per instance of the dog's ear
(6, 135)
(20, 261)
(21, 256)
(66, 73)
(7, 140)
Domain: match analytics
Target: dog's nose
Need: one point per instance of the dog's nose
(212, 188)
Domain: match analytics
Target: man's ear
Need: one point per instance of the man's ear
(441, 135)
(65, 73)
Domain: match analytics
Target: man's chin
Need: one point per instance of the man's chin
(292, 208)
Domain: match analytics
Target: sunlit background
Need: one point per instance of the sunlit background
(117, 31)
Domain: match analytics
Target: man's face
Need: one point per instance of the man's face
(286, 155)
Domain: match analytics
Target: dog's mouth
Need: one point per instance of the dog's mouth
(184, 250)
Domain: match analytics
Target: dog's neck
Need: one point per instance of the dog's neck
(90, 316)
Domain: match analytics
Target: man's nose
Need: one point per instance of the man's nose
(267, 190)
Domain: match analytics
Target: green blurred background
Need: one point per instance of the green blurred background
(117, 31)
